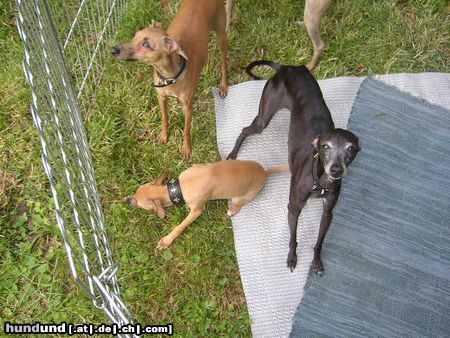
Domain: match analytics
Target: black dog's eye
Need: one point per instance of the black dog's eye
(353, 149)
(145, 44)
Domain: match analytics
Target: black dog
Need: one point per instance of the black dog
(318, 153)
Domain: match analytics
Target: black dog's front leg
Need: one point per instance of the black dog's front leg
(297, 200)
(327, 215)
(293, 222)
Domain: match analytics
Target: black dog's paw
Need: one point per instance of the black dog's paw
(292, 260)
(231, 156)
(317, 266)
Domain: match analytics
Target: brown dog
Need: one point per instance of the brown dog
(239, 181)
(178, 56)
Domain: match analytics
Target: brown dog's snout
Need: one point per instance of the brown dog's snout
(130, 200)
(115, 51)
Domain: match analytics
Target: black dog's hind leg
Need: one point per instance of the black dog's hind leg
(327, 215)
(268, 107)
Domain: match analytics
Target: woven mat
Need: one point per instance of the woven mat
(260, 229)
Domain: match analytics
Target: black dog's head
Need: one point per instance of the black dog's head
(337, 148)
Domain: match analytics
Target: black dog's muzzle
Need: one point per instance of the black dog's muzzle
(335, 170)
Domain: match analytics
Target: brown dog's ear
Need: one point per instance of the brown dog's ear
(159, 208)
(162, 178)
(172, 46)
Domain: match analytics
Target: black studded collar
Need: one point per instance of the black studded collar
(175, 194)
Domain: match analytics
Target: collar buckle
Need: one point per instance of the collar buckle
(166, 81)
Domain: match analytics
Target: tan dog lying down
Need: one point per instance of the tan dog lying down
(239, 181)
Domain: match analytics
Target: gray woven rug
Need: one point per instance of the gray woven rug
(387, 255)
(260, 229)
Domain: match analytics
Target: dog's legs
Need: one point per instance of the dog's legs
(193, 215)
(327, 216)
(187, 101)
(230, 8)
(312, 25)
(314, 10)
(297, 200)
(163, 136)
(268, 106)
(223, 45)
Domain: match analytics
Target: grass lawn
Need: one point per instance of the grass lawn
(195, 284)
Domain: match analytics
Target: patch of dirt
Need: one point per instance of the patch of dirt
(7, 183)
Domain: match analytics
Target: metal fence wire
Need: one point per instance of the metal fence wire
(64, 43)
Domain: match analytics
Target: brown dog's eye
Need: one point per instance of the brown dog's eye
(145, 44)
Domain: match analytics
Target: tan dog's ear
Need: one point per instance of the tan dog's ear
(172, 46)
(159, 208)
(162, 178)
(156, 24)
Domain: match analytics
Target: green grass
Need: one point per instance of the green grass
(195, 285)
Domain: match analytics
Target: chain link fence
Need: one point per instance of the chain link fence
(65, 46)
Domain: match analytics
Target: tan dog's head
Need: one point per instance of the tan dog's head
(148, 196)
(149, 45)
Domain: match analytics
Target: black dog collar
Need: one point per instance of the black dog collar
(164, 81)
(315, 166)
(175, 194)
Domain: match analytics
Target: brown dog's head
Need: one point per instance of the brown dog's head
(149, 45)
(148, 196)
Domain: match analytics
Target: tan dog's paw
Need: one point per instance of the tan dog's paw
(164, 243)
(223, 90)
(163, 137)
(233, 210)
(231, 213)
(311, 66)
(186, 151)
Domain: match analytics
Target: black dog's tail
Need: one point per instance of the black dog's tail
(271, 64)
